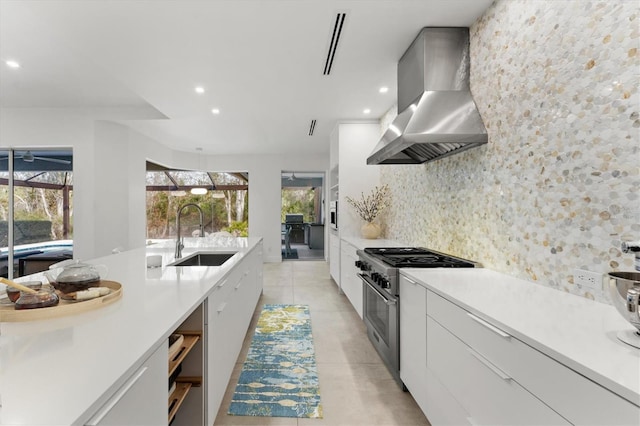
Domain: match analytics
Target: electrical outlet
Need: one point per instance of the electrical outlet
(587, 279)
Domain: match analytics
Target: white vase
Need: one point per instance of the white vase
(370, 230)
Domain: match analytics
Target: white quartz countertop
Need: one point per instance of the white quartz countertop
(576, 331)
(60, 371)
(362, 243)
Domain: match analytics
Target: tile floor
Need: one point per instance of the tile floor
(355, 387)
(305, 253)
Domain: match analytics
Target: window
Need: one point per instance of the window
(223, 200)
(36, 210)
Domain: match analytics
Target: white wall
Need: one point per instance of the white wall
(355, 143)
(48, 128)
(109, 175)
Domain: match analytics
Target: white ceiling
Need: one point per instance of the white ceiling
(260, 61)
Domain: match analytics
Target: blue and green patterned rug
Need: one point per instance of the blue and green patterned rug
(279, 377)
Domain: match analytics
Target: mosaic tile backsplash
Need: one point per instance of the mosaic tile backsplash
(557, 186)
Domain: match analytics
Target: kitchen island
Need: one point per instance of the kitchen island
(79, 369)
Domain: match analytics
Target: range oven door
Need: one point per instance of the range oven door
(380, 314)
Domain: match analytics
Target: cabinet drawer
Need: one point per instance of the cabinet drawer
(488, 394)
(142, 399)
(220, 293)
(575, 397)
(442, 408)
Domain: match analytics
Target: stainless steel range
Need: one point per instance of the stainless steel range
(379, 271)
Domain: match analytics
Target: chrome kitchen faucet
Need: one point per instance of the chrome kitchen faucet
(179, 245)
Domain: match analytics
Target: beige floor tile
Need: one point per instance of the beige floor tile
(321, 298)
(304, 272)
(340, 337)
(276, 294)
(363, 394)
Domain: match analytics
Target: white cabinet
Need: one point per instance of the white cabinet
(498, 379)
(413, 339)
(334, 256)
(142, 399)
(441, 407)
(353, 142)
(350, 282)
(219, 355)
(488, 394)
(258, 269)
(230, 309)
(350, 176)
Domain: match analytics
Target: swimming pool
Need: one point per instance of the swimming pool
(36, 248)
(35, 257)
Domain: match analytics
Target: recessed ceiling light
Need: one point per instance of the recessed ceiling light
(199, 191)
(366, 111)
(199, 89)
(215, 111)
(383, 89)
(12, 64)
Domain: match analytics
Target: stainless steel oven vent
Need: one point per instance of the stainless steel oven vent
(437, 116)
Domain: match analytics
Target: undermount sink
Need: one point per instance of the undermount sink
(203, 259)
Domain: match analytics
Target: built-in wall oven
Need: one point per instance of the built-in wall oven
(333, 214)
(380, 274)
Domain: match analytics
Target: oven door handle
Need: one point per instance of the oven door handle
(387, 301)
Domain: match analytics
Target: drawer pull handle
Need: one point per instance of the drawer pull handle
(223, 283)
(489, 326)
(221, 307)
(411, 281)
(97, 418)
(490, 366)
(238, 285)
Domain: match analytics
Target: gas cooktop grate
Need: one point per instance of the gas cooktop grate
(416, 257)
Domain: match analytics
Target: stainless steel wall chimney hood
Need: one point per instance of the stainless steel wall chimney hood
(437, 116)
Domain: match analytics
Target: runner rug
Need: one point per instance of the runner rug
(279, 377)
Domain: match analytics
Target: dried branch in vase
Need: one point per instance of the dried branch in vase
(369, 207)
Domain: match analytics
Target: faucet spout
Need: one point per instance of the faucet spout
(632, 247)
(179, 244)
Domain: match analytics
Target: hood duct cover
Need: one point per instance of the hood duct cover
(437, 116)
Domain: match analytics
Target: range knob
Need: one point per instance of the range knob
(375, 277)
(358, 264)
(385, 283)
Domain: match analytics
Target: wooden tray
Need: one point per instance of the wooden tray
(8, 313)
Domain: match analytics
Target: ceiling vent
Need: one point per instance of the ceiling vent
(312, 127)
(333, 46)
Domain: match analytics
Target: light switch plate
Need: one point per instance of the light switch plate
(587, 279)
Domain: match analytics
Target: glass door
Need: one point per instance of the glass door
(36, 210)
